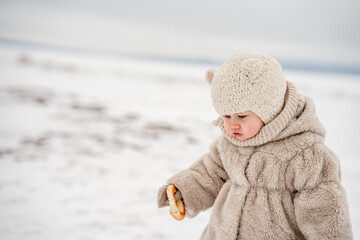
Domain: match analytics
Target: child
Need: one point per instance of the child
(269, 176)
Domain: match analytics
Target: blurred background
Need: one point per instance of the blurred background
(299, 33)
(102, 101)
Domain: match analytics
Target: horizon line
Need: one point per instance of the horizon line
(286, 64)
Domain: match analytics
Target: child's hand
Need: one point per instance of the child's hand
(163, 200)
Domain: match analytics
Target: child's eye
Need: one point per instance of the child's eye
(242, 116)
(227, 116)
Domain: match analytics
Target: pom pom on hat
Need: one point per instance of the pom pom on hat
(209, 75)
(248, 82)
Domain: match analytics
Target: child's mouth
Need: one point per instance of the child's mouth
(237, 134)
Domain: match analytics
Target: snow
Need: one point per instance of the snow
(87, 140)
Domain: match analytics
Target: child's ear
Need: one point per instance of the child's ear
(209, 75)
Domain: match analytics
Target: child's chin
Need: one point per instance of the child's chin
(241, 137)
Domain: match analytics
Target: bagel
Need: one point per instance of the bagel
(177, 208)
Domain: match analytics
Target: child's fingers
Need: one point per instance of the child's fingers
(178, 195)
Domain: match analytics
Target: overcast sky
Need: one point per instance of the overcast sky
(316, 30)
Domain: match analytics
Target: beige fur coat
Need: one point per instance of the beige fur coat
(284, 183)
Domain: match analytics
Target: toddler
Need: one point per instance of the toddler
(269, 175)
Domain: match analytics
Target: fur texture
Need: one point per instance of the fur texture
(282, 184)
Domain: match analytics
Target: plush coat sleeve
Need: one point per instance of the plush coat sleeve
(200, 184)
(321, 207)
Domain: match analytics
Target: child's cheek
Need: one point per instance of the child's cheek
(227, 125)
(255, 130)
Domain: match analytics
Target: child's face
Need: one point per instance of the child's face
(243, 125)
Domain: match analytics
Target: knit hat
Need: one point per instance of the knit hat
(248, 82)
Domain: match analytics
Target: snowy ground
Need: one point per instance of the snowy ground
(85, 142)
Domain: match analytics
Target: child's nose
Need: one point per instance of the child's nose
(235, 125)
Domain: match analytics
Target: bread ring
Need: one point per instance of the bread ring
(177, 208)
